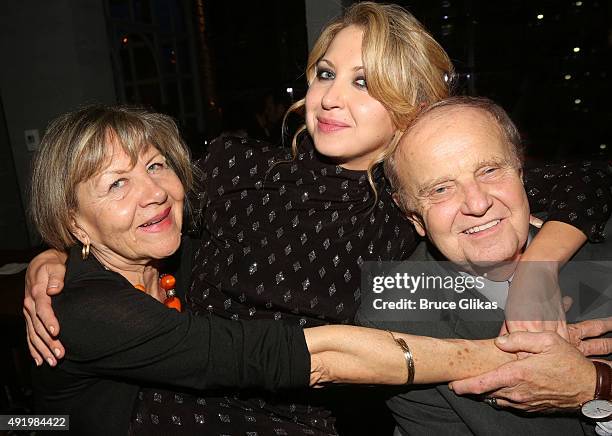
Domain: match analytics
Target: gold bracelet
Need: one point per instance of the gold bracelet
(407, 355)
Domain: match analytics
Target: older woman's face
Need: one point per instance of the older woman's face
(346, 123)
(129, 214)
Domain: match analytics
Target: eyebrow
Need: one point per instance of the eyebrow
(424, 188)
(427, 186)
(331, 64)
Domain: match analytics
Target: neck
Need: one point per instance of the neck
(132, 270)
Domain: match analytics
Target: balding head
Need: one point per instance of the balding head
(457, 175)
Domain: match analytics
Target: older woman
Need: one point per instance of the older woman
(284, 237)
(109, 185)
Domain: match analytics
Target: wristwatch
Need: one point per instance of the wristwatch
(600, 407)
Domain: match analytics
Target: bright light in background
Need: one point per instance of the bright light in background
(603, 146)
(289, 90)
(576, 49)
(577, 101)
(578, 3)
(124, 40)
(567, 76)
(540, 16)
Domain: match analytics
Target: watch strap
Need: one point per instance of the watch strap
(603, 381)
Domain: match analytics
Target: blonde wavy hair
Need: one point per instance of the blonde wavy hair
(405, 68)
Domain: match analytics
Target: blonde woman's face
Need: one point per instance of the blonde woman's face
(346, 123)
(131, 214)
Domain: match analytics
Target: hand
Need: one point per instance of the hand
(557, 377)
(579, 332)
(534, 300)
(44, 277)
(536, 222)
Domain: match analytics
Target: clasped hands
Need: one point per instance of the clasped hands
(551, 374)
(552, 371)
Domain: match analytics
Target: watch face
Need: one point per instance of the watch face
(597, 409)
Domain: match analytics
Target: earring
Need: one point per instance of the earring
(85, 251)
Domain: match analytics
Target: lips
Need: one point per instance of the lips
(328, 125)
(157, 219)
(482, 227)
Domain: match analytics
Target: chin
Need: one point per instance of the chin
(161, 251)
(485, 260)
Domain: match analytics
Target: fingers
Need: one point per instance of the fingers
(41, 347)
(504, 403)
(56, 282)
(504, 330)
(593, 327)
(487, 382)
(596, 347)
(39, 308)
(536, 222)
(527, 341)
(558, 326)
(33, 352)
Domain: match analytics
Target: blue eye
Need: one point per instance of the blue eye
(361, 82)
(156, 166)
(440, 190)
(120, 183)
(323, 74)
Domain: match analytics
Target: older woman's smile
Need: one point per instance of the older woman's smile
(158, 223)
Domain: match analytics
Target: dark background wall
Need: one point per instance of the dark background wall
(55, 57)
(211, 64)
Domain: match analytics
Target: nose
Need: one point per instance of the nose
(477, 200)
(333, 96)
(152, 192)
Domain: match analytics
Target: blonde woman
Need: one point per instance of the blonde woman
(284, 234)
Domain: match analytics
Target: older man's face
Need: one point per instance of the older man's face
(463, 181)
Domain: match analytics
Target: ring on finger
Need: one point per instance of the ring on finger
(492, 401)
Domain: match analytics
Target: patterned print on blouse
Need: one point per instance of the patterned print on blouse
(284, 238)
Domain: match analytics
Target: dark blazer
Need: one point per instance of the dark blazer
(434, 409)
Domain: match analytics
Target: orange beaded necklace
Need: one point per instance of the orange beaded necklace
(167, 283)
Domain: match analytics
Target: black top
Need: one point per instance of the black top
(284, 239)
(117, 337)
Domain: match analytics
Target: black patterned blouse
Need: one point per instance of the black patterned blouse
(284, 238)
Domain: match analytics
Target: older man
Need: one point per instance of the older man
(458, 174)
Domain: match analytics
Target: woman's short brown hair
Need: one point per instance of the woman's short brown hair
(75, 147)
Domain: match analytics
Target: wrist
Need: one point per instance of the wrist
(599, 407)
(603, 381)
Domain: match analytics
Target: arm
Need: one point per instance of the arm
(576, 193)
(534, 298)
(348, 354)
(131, 336)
